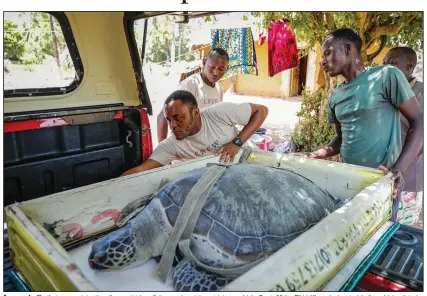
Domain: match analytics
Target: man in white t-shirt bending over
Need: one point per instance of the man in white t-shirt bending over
(197, 133)
(204, 86)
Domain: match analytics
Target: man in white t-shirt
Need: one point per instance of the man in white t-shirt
(204, 86)
(197, 133)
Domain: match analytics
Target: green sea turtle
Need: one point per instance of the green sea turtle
(251, 212)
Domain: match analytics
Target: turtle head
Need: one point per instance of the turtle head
(134, 244)
(116, 250)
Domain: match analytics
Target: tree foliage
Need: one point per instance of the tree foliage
(162, 38)
(14, 43)
(41, 38)
(377, 30)
(313, 130)
(38, 37)
(383, 28)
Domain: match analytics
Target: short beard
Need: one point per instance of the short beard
(192, 128)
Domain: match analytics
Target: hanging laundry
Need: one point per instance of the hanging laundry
(262, 37)
(282, 48)
(239, 44)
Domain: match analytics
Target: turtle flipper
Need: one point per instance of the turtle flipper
(190, 278)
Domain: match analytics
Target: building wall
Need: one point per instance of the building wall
(278, 86)
(312, 63)
(263, 85)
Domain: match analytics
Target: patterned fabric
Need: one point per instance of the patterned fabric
(409, 208)
(239, 44)
(282, 48)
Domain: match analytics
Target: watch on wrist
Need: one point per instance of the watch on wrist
(237, 142)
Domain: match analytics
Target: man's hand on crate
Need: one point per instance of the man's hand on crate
(397, 178)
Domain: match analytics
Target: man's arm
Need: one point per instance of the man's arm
(332, 149)
(149, 164)
(162, 155)
(258, 115)
(162, 127)
(412, 111)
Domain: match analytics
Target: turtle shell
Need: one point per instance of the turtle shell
(252, 210)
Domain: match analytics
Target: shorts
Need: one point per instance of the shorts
(407, 207)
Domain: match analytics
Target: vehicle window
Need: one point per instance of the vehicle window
(169, 51)
(37, 60)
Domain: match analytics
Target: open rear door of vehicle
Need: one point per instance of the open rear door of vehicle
(79, 116)
(85, 129)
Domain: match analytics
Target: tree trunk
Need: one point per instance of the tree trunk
(382, 44)
(364, 55)
(319, 74)
(55, 45)
(179, 43)
(172, 49)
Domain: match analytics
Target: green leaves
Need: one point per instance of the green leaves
(411, 33)
(313, 131)
(160, 37)
(14, 42)
(312, 27)
(37, 39)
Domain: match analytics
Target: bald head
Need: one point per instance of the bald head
(403, 58)
(408, 52)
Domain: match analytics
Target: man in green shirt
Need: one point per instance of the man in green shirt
(365, 110)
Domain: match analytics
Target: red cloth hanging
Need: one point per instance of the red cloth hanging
(282, 48)
(262, 38)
